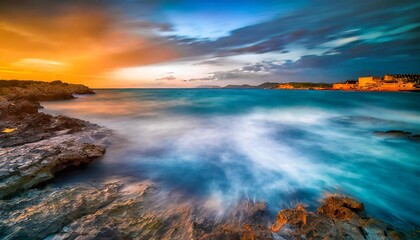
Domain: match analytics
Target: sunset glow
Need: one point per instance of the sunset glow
(191, 43)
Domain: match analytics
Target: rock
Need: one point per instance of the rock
(296, 217)
(40, 91)
(341, 208)
(398, 134)
(338, 218)
(34, 146)
(232, 232)
(38, 213)
(393, 133)
(25, 166)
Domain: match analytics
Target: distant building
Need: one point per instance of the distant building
(390, 82)
(368, 82)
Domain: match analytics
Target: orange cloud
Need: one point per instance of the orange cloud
(76, 43)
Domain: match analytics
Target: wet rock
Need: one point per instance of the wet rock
(393, 133)
(341, 208)
(296, 217)
(398, 134)
(131, 216)
(338, 218)
(35, 146)
(38, 213)
(25, 166)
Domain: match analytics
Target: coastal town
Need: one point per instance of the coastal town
(387, 83)
(390, 82)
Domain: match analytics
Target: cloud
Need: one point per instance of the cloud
(306, 40)
(168, 78)
(86, 38)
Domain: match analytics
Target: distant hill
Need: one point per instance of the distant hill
(291, 85)
(265, 85)
(310, 85)
(240, 86)
(208, 86)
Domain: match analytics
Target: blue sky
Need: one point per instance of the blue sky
(190, 43)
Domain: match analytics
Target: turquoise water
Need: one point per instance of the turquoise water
(279, 146)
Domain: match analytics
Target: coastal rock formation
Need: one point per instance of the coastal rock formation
(40, 91)
(34, 146)
(25, 166)
(38, 213)
(110, 211)
(338, 218)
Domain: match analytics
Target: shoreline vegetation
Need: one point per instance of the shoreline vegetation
(35, 147)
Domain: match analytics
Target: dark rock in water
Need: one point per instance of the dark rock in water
(338, 218)
(415, 137)
(398, 134)
(393, 133)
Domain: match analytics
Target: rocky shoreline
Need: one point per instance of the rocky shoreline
(34, 147)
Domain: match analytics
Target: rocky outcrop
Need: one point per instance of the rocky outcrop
(39, 213)
(35, 146)
(25, 166)
(337, 218)
(108, 211)
(40, 91)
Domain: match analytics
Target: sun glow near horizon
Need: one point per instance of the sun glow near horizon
(189, 43)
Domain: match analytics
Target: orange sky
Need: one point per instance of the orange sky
(191, 43)
(79, 45)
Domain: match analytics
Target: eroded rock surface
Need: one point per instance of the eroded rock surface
(33, 145)
(38, 213)
(40, 91)
(338, 218)
(108, 211)
(25, 166)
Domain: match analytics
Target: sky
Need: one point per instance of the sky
(189, 43)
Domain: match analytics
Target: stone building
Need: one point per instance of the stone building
(368, 82)
(390, 82)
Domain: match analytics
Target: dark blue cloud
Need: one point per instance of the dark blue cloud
(331, 40)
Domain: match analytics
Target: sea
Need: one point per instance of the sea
(283, 147)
